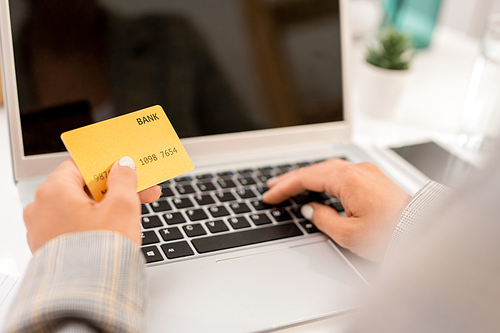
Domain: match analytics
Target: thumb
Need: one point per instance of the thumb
(328, 220)
(122, 180)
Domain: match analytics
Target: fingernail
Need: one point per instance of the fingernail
(127, 162)
(307, 211)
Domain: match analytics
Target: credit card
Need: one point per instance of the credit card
(147, 136)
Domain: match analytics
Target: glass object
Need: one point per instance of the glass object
(480, 121)
(414, 17)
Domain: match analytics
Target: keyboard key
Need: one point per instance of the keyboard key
(225, 174)
(225, 196)
(245, 237)
(226, 183)
(245, 171)
(309, 227)
(196, 214)
(260, 205)
(174, 218)
(338, 206)
(166, 192)
(285, 167)
(239, 207)
(177, 250)
(160, 206)
(149, 237)
(239, 222)
(151, 222)
(281, 215)
(205, 176)
(266, 170)
(260, 219)
(144, 209)
(297, 213)
(183, 179)
(216, 226)
(182, 203)
(170, 234)
(193, 230)
(246, 193)
(262, 189)
(184, 189)
(204, 199)
(206, 186)
(320, 197)
(303, 164)
(264, 178)
(151, 253)
(245, 181)
(285, 203)
(218, 211)
(302, 198)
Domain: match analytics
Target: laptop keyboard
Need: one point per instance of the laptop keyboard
(210, 212)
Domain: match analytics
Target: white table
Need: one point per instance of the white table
(430, 109)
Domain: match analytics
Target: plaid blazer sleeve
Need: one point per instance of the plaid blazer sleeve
(82, 282)
(425, 200)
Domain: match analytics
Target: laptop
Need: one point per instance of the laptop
(254, 88)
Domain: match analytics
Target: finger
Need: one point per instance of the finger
(68, 173)
(65, 182)
(315, 178)
(122, 181)
(330, 222)
(151, 194)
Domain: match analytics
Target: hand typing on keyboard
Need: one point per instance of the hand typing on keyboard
(372, 202)
(61, 205)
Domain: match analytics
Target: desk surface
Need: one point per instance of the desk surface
(430, 108)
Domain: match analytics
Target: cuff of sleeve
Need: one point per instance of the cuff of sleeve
(424, 201)
(96, 278)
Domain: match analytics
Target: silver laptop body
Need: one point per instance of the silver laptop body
(253, 288)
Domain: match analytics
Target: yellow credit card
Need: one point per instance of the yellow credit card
(147, 136)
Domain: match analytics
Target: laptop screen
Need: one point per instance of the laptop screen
(215, 66)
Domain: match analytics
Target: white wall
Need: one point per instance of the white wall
(467, 16)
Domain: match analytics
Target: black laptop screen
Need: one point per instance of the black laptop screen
(215, 66)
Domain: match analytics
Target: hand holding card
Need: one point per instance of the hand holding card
(147, 136)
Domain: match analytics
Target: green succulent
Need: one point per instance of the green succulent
(392, 50)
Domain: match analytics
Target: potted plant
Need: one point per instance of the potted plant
(391, 51)
(385, 72)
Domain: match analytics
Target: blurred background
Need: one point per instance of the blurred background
(234, 31)
(468, 16)
(465, 16)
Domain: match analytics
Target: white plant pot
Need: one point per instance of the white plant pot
(380, 89)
